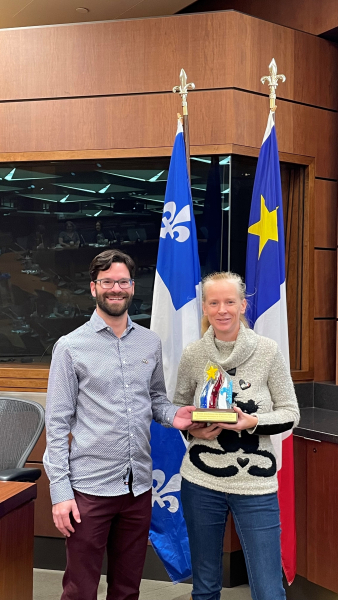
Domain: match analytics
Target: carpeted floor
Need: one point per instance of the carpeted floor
(47, 586)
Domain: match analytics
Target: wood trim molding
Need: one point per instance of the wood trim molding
(145, 153)
(302, 375)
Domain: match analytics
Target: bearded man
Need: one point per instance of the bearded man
(105, 386)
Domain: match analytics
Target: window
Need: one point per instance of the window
(56, 216)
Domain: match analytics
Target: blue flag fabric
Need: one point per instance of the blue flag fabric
(176, 318)
(168, 531)
(178, 263)
(265, 262)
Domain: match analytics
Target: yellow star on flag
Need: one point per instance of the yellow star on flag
(266, 228)
(211, 372)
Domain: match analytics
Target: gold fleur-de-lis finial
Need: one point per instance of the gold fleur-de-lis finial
(272, 80)
(183, 90)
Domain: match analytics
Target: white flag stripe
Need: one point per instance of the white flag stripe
(176, 328)
(269, 126)
(274, 322)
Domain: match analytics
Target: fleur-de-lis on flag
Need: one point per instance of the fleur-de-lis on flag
(172, 226)
(159, 495)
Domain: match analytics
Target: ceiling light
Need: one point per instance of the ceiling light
(10, 175)
(104, 189)
(201, 159)
(155, 178)
(76, 187)
(82, 9)
(126, 176)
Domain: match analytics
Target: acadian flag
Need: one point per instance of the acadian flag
(176, 318)
(267, 313)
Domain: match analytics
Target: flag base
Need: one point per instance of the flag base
(215, 415)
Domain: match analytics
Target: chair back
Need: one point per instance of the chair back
(21, 424)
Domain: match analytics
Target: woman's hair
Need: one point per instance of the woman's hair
(223, 276)
(103, 262)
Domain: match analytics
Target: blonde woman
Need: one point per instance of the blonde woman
(233, 467)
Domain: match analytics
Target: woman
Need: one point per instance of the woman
(233, 467)
(69, 238)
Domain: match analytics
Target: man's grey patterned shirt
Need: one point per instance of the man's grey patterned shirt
(105, 390)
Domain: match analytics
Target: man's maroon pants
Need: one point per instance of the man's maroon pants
(118, 523)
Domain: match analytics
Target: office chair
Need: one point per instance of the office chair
(21, 424)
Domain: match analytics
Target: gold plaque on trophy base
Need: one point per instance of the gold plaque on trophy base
(215, 415)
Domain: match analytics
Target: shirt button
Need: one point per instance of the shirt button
(124, 362)
(131, 435)
(129, 409)
(126, 385)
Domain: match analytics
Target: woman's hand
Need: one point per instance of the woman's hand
(202, 432)
(245, 421)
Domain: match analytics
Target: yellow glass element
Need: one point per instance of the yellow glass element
(211, 372)
(266, 228)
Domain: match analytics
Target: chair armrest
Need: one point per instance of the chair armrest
(30, 475)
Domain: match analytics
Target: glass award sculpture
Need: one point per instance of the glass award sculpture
(215, 402)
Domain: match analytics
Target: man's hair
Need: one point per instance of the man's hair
(103, 262)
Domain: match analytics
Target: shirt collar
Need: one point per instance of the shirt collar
(98, 323)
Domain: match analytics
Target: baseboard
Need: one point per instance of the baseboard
(234, 569)
(302, 589)
(50, 553)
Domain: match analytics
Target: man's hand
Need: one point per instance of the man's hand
(245, 421)
(182, 419)
(61, 512)
(205, 432)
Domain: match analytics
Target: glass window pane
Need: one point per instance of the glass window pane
(56, 216)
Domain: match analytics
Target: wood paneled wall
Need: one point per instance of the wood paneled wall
(104, 89)
(218, 50)
(325, 279)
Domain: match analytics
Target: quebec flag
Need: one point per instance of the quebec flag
(176, 318)
(267, 312)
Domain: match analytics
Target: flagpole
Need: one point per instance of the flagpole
(283, 445)
(272, 81)
(183, 89)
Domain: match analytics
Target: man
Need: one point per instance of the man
(105, 386)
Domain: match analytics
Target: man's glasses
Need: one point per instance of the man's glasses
(107, 284)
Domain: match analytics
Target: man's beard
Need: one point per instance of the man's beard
(111, 309)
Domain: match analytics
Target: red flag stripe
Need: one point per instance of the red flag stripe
(286, 497)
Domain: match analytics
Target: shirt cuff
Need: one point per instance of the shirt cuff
(169, 415)
(61, 491)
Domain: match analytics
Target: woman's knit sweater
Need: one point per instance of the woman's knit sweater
(244, 462)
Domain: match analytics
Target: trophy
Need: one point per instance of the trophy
(215, 401)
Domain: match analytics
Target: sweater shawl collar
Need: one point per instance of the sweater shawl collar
(244, 347)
